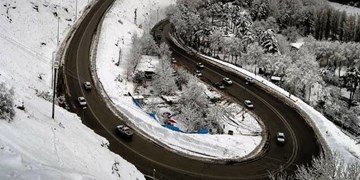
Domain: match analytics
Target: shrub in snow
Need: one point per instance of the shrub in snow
(43, 94)
(164, 51)
(164, 82)
(148, 45)
(6, 103)
(332, 166)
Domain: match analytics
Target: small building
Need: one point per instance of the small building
(275, 79)
(297, 45)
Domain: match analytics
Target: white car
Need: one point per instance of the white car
(249, 104)
(227, 81)
(87, 85)
(249, 80)
(82, 101)
(173, 60)
(197, 73)
(124, 131)
(200, 65)
(280, 138)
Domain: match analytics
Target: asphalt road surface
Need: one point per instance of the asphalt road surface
(301, 143)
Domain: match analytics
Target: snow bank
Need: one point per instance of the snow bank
(34, 146)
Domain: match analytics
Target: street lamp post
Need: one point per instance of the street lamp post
(54, 88)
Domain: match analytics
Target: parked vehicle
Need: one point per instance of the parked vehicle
(82, 101)
(249, 80)
(227, 81)
(124, 131)
(87, 85)
(249, 104)
(280, 138)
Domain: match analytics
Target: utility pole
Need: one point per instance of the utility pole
(52, 69)
(54, 89)
(58, 31)
(135, 16)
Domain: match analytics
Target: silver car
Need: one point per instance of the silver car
(82, 101)
(249, 104)
(87, 85)
(280, 138)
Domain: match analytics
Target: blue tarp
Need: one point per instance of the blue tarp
(201, 131)
(153, 115)
(169, 126)
(137, 102)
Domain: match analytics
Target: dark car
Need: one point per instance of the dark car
(220, 85)
(124, 131)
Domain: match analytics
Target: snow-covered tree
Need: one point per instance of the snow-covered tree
(6, 103)
(259, 9)
(254, 53)
(148, 45)
(163, 81)
(330, 167)
(351, 81)
(214, 116)
(268, 41)
(183, 77)
(164, 51)
(134, 57)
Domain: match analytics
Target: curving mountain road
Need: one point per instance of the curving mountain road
(145, 155)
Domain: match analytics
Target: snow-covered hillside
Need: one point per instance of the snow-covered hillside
(34, 146)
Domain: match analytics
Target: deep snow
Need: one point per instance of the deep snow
(34, 146)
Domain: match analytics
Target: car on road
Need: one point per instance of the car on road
(82, 101)
(87, 85)
(124, 131)
(200, 65)
(249, 104)
(249, 80)
(173, 60)
(220, 85)
(280, 138)
(227, 81)
(197, 73)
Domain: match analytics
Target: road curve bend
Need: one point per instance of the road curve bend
(147, 156)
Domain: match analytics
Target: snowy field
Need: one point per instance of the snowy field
(118, 28)
(34, 146)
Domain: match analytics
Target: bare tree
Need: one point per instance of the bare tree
(6, 103)
(134, 56)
